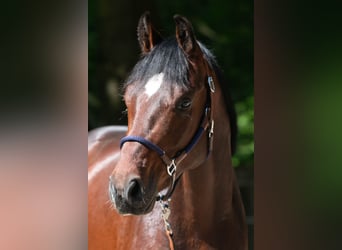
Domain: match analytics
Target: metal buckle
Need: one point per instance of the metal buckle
(211, 84)
(211, 132)
(211, 136)
(207, 111)
(171, 169)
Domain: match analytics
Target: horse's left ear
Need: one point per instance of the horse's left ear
(148, 37)
(186, 38)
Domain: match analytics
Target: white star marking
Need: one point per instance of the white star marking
(153, 84)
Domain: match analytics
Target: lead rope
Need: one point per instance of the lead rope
(166, 211)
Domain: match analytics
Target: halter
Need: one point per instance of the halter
(172, 163)
(207, 121)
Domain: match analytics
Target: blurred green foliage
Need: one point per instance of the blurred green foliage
(226, 27)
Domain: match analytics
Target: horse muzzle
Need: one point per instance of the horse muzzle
(131, 198)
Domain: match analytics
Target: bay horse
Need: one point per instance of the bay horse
(166, 180)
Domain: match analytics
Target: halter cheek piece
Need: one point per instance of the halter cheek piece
(172, 163)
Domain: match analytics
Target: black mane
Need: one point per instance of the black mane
(168, 57)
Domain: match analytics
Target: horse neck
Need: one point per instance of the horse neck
(208, 197)
(212, 187)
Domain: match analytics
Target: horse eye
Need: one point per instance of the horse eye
(184, 104)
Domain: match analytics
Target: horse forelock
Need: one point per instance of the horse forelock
(166, 58)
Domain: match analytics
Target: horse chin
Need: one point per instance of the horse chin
(139, 209)
(149, 207)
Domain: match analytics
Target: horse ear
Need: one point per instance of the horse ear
(185, 37)
(148, 37)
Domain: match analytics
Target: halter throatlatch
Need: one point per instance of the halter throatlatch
(172, 163)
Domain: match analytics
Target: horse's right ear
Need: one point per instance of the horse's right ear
(148, 37)
(186, 38)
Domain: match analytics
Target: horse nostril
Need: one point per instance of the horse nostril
(134, 190)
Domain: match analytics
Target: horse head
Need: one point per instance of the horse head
(168, 105)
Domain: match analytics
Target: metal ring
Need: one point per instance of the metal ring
(211, 84)
(171, 169)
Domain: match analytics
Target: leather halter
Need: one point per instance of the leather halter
(172, 163)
